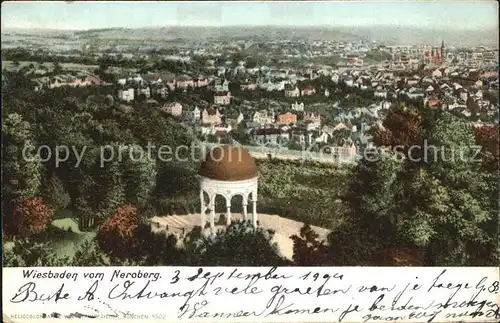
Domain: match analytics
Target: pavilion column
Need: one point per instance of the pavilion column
(245, 212)
(245, 208)
(254, 209)
(228, 215)
(212, 215)
(228, 210)
(254, 213)
(203, 210)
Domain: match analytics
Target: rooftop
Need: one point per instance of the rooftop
(226, 163)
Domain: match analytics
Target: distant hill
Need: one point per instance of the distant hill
(221, 33)
(382, 34)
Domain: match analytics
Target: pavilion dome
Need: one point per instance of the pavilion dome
(226, 163)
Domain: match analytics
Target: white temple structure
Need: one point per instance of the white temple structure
(227, 171)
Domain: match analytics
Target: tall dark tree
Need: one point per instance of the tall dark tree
(487, 137)
(112, 188)
(55, 193)
(139, 175)
(21, 166)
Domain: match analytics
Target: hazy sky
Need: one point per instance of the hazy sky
(90, 15)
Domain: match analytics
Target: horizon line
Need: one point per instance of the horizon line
(462, 28)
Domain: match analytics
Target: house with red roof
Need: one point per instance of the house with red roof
(307, 90)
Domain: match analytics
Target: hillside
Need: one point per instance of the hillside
(383, 34)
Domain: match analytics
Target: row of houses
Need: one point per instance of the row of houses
(158, 85)
(79, 80)
(261, 117)
(170, 81)
(266, 116)
(280, 135)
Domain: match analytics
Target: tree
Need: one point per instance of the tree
(156, 249)
(373, 189)
(194, 245)
(472, 106)
(55, 194)
(31, 216)
(236, 57)
(339, 137)
(240, 245)
(354, 244)
(487, 137)
(21, 173)
(117, 234)
(308, 250)
(10, 258)
(142, 98)
(89, 254)
(240, 135)
(110, 101)
(460, 208)
(28, 253)
(491, 96)
(139, 176)
(400, 128)
(82, 208)
(366, 236)
(112, 188)
(175, 181)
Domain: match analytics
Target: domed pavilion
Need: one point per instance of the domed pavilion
(227, 171)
